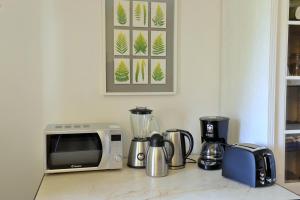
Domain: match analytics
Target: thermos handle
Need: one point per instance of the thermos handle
(172, 147)
(191, 143)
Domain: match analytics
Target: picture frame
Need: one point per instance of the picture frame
(128, 86)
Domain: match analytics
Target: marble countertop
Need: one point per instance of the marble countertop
(133, 184)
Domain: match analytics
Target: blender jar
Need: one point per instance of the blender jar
(142, 122)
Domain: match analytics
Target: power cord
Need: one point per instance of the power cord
(191, 160)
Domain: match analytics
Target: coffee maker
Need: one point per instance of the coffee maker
(214, 131)
(143, 123)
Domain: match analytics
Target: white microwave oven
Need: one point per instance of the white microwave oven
(82, 147)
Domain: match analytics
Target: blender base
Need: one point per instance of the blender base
(136, 167)
(137, 153)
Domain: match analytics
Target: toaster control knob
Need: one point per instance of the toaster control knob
(118, 158)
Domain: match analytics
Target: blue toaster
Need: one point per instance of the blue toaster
(249, 164)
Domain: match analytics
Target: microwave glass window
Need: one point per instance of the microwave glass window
(73, 150)
(292, 158)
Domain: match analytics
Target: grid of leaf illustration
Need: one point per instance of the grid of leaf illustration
(140, 41)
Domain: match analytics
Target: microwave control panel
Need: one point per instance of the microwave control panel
(116, 158)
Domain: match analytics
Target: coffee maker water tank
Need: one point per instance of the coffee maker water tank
(214, 129)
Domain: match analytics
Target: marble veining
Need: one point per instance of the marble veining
(133, 184)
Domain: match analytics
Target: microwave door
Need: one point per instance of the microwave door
(65, 151)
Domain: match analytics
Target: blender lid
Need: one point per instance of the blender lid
(141, 111)
(214, 118)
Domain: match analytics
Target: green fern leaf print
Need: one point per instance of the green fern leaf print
(143, 69)
(158, 74)
(138, 12)
(121, 44)
(122, 73)
(145, 14)
(158, 46)
(140, 44)
(159, 18)
(122, 17)
(137, 71)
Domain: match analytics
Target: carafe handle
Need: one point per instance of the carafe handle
(172, 147)
(191, 142)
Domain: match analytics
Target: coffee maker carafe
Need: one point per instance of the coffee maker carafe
(142, 124)
(214, 131)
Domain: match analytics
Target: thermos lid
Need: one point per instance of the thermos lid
(141, 111)
(157, 140)
(214, 118)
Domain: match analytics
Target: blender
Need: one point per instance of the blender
(142, 124)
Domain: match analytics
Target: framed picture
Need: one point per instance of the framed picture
(139, 47)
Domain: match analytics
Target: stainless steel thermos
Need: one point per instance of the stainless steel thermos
(157, 157)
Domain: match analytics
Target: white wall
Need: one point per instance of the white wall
(73, 79)
(20, 99)
(57, 62)
(245, 68)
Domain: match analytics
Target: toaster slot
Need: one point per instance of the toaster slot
(250, 146)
